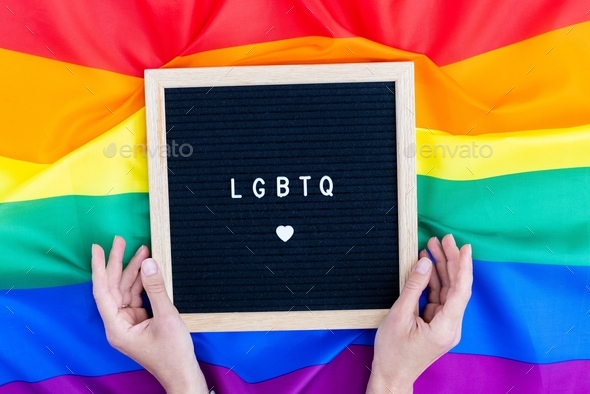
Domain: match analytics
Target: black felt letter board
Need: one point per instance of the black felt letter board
(227, 254)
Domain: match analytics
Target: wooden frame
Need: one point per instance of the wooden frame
(402, 73)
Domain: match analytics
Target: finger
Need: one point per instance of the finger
(131, 272)
(452, 254)
(460, 291)
(134, 294)
(153, 283)
(100, 287)
(451, 314)
(433, 293)
(115, 264)
(434, 284)
(436, 249)
(413, 288)
(139, 315)
(430, 310)
(99, 275)
(434, 288)
(423, 253)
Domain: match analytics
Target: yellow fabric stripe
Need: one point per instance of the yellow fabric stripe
(464, 157)
(50, 108)
(88, 170)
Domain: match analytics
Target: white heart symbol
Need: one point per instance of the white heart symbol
(285, 232)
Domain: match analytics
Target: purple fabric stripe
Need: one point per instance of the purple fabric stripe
(127, 382)
(348, 373)
(462, 373)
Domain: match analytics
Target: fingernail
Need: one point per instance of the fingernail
(469, 251)
(149, 267)
(114, 239)
(140, 248)
(423, 266)
(452, 239)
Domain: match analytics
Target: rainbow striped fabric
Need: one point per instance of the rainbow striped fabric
(503, 116)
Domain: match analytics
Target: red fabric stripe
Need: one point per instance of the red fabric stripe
(126, 37)
(121, 36)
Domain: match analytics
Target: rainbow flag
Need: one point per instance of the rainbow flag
(503, 142)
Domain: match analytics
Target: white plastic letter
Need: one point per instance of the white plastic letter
(233, 190)
(282, 184)
(260, 192)
(305, 179)
(324, 191)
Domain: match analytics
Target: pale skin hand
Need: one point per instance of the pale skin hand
(406, 344)
(162, 344)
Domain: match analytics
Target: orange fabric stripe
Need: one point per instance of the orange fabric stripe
(457, 99)
(540, 83)
(51, 108)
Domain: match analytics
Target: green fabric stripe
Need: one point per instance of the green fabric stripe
(47, 242)
(499, 215)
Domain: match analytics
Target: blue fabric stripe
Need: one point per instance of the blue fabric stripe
(68, 333)
(523, 312)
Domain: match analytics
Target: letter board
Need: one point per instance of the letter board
(280, 196)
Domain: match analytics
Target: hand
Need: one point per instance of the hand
(405, 344)
(162, 344)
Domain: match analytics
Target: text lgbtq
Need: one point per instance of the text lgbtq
(325, 186)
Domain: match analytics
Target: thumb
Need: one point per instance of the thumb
(414, 286)
(153, 283)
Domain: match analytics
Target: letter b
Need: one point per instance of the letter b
(282, 186)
